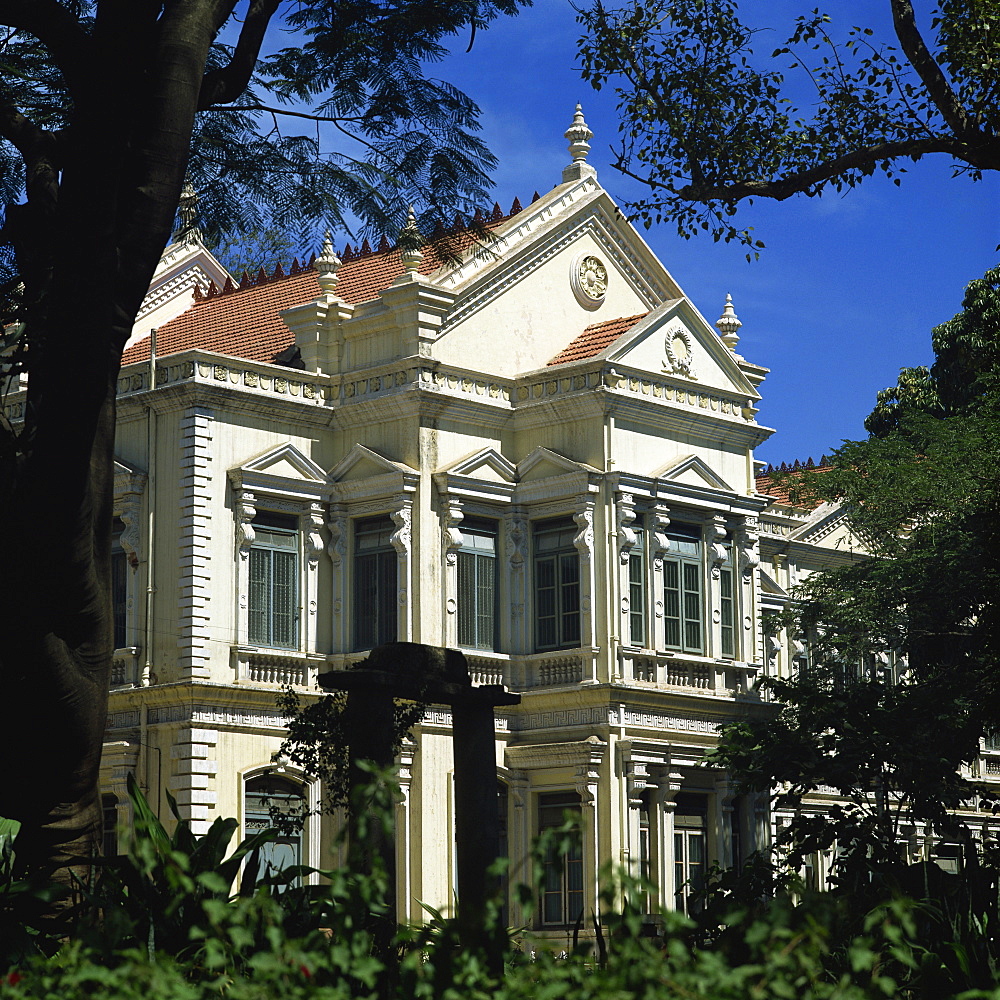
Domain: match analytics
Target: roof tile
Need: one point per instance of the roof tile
(245, 323)
(596, 338)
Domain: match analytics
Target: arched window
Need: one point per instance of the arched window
(265, 793)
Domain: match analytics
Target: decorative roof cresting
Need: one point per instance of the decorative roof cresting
(327, 264)
(578, 135)
(727, 325)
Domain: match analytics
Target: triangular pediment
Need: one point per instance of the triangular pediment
(364, 463)
(286, 462)
(676, 341)
(567, 261)
(693, 471)
(487, 465)
(768, 586)
(543, 463)
(828, 524)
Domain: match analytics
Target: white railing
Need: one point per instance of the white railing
(125, 667)
(677, 671)
(487, 669)
(275, 668)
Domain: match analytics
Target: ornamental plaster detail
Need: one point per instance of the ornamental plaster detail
(314, 538)
(627, 537)
(661, 543)
(679, 350)
(246, 511)
(717, 534)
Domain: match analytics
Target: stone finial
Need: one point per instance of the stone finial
(327, 264)
(578, 135)
(727, 325)
(410, 242)
(187, 211)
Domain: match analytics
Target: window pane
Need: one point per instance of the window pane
(284, 600)
(260, 593)
(119, 595)
(727, 612)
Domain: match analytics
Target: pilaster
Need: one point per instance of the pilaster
(193, 781)
(195, 544)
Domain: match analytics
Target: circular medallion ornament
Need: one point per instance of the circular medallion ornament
(589, 278)
(679, 351)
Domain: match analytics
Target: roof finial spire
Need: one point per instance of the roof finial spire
(578, 135)
(727, 325)
(187, 211)
(327, 264)
(410, 242)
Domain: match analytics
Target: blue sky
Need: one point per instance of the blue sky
(846, 292)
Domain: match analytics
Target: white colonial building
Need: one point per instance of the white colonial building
(541, 453)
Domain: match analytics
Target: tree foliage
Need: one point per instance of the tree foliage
(104, 108)
(708, 120)
(897, 745)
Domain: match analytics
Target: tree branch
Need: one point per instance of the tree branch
(923, 62)
(221, 86)
(293, 114)
(56, 28)
(802, 181)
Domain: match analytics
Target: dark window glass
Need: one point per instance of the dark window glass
(285, 797)
(562, 878)
(375, 613)
(119, 585)
(682, 589)
(557, 585)
(477, 585)
(274, 572)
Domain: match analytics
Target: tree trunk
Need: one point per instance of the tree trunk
(86, 251)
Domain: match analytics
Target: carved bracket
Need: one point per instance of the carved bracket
(716, 542)
(337, 546)
(583, 541)
(130, 538)
(660, 542)
(627, 537)
(314, 539)
(246, 511)
(749, 547)
(453, 515)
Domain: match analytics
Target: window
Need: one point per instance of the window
(477, 585)
(375, 615)
(637, 587)
(274, 575)
(557, 585)
(562, 878)
(645, 859)
(119, 585)
(727, 605)
(682, 589)
(690, 852)
(263, 794)
(109, 808)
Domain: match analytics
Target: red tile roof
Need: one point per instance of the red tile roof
(776, 482)
(244, 322)
(596, 338)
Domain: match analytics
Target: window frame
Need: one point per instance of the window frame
(689, 568)
(280, 524)
(690, 827)
(482, 562)
(566, 586)
(385, 558)
(562, 882)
